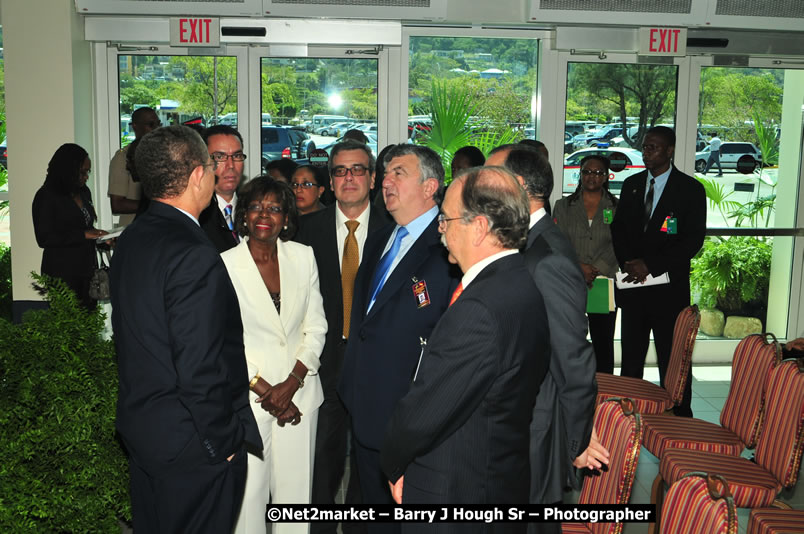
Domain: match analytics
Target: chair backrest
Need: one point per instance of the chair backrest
(698, 503)
(684, 334)
(744, 410)
(779, 447)
(619, 429)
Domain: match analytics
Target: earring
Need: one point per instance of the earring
(286, 227)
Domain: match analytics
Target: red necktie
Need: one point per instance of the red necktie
(456, 294)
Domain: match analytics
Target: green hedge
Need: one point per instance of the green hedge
(62, 468)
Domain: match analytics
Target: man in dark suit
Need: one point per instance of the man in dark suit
(225, 145)
(332, 232)
(561, 430)
(660, 224)
(461, 434)
(182, 408)
(402, 288)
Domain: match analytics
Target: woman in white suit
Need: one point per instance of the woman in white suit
(276, 281)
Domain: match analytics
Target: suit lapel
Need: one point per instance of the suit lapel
(287, 281)
(399, 278)
(657, 218)
(258, 293)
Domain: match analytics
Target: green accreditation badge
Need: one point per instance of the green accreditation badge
(672, 226)
(608, 216)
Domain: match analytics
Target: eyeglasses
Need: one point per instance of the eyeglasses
(589, 172)
(303, 185)
(443, 220)
(257, 208)
(220, 157)
(356, 170)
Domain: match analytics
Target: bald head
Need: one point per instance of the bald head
(495, 194)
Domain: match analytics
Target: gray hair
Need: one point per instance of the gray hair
(165, 159)
(430, 165)
(494, 193)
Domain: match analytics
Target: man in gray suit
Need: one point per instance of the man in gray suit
(561, 428)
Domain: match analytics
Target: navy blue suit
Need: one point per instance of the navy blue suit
(384, 344)
(461, 434)
(182, 405)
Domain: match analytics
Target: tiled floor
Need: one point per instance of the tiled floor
(710, 386)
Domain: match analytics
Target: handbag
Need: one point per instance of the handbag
(99, 284)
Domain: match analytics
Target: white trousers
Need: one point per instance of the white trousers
(284, 475)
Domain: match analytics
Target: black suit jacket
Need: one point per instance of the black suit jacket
(565, 407)
(384, 345)
(318, 231)
(461, 433)
(183, 397)
(214, 225)
(684, 199)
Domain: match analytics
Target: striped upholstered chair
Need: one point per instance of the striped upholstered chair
(778, 451)
(742, 414)
(619, 429)
(775, 521)
(650, 398)
(699, 504)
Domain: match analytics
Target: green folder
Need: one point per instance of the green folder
(600, 298)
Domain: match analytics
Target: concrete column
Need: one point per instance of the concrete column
(48, 77)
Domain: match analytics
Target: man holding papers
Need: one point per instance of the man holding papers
(659, 226)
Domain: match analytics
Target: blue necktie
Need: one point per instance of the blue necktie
(227, 215)
(385, 265)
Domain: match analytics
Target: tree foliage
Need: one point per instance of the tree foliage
(641, 91)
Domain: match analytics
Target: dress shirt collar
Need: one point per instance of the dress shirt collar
(417, 226)
(189, 215)
(340, 218)
(536, 217)
(472, 272)
(222, 203)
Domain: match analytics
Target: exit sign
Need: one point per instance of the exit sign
(662, 41)
(195, 31)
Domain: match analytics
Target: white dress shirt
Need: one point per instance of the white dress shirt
(341, 231)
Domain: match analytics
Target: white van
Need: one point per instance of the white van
(326, 120)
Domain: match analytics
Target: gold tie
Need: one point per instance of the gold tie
(351, 260)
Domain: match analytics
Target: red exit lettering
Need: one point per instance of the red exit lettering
(667, 40)
(198, 30)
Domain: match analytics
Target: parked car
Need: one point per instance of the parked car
(372, 143)
(3, 154)
(572, 167)
(603, 136)
(280, 142)
(730, 153)
(567, 143)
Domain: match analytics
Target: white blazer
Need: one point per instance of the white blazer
(275, 341)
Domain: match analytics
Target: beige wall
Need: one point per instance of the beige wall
(48, 103)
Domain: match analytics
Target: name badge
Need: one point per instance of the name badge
(670, 225)
(608, 216)
(420, 293)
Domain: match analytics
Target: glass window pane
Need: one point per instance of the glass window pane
(609, 107)
(748, 156)
(198, 90)
(471, 91)
(310, 103)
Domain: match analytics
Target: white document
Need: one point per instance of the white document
(114, 232)
(663, 278)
